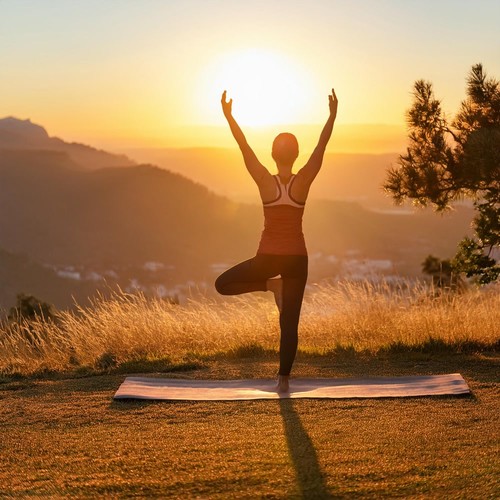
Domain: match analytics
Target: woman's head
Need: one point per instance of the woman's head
(285, 149)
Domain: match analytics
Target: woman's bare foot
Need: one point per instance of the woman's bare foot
(275, 285)
(283, 384)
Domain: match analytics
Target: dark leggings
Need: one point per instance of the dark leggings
(252, 275)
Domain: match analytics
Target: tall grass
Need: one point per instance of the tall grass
(356, 316)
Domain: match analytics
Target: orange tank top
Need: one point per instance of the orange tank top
(282, 234)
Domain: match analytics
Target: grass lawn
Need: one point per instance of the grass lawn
(65, 436)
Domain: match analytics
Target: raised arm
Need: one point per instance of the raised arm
(258, 172)
(310, 170)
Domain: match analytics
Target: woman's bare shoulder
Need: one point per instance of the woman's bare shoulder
(267, 187)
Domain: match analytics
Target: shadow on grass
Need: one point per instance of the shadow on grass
(431, 346)
(163, 365)
(439, 346)
(477, 363)
(247, 350)
(310, 478)
(430, 358)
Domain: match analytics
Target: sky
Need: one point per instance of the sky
(144, 73)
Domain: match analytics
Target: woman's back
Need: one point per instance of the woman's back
(282, 234)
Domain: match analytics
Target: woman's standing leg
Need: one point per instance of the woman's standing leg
(294, 277)
(252, 275)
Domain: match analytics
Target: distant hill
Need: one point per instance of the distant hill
(120, 224)
(16, 134)
(115, 217)
(344, 176)
(347, 230)
(21, 274)
(127, 216)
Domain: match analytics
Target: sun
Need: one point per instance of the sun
(267, 87)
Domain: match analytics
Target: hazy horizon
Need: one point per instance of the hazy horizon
(347, 138)
(350, 138)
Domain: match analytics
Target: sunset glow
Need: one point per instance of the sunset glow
(128, 73)
(267, 87)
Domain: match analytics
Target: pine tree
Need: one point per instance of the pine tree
(446, 162)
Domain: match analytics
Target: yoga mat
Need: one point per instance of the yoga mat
(222, 390)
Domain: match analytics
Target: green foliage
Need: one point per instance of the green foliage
(28, 307)
(472, 261)
(106, 361)
(445, 163)
(442, 272)
(26, 316)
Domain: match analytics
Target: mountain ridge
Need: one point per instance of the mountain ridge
(18, 134)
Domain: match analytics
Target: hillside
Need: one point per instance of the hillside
(127, 216)
(21, 274)
(122, 218)
(24, 135)
(111, 217)
(352, 240)
(146, 227)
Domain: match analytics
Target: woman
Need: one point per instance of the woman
(282, 250)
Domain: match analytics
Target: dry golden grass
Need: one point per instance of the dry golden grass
(355, 316)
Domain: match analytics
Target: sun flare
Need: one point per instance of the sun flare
(267, 88)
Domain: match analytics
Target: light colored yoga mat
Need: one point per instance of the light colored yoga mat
(221, 390)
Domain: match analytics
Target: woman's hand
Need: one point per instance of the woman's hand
(333, 103)
(226, 105)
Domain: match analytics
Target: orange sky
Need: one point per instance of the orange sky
(128, 73)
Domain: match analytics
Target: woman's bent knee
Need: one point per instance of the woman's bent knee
(220, 286)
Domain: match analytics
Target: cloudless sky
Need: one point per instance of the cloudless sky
(132, 72)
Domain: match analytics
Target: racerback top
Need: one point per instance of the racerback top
(282, 234)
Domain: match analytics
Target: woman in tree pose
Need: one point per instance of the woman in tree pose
(282, 250)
